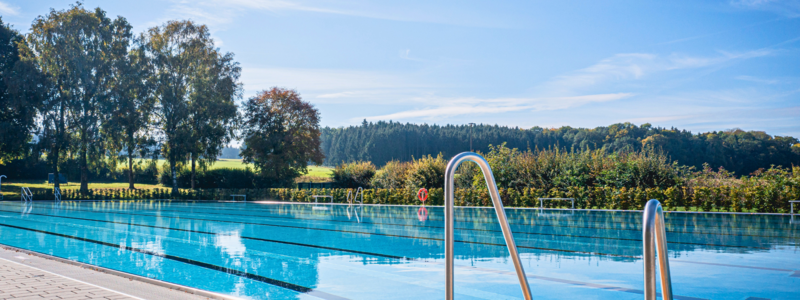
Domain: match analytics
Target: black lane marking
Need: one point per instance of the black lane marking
(470, 229)
(357, 232)
(579, 283)
(458, 228)
(216, 234)
(383, 234)
(733, 266)
(512, 218)
(677, 216)
(569, 226)
(334, 297)
(540, 225)
(427, 226)
(275, 282)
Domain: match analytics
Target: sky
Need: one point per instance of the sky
(696, 65)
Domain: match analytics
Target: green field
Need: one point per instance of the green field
(11, 188)
(313, 171)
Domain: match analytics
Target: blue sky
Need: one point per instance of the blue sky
(696, 65)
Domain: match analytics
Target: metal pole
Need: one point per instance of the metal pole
(449, 203)
(471, 126)
(654, 239)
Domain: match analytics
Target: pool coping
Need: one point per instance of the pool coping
(126, 275)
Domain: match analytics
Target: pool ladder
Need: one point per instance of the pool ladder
(360, 192)
(654, 240)
(449, 189)
(26, 195)
(653, 233)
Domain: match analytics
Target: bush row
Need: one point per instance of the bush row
(756, 198)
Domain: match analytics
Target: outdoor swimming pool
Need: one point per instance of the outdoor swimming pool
(305, 251)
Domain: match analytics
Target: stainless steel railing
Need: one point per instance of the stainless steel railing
(655, 240)
(449, 189)
(359, 191)
(26, 195)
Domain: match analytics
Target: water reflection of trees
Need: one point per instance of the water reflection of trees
(614, 235)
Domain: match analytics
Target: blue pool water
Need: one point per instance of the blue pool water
(302, 251)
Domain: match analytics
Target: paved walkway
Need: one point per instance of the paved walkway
(18, 281)
(25, 276)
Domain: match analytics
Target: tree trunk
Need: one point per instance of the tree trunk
(174, 179)
(130, 169)
(84, 168)
(192, 171)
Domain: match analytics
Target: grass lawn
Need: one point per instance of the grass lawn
(11, 188)
(313, 171)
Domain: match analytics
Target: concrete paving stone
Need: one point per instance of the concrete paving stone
(35, 277)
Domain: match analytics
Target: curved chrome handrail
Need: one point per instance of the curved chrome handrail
(26, 195)
(655, 239)
(449, 189)
(353, 200)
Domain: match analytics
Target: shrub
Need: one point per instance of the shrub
(426, 172)
(354, 174)
(212, 179)
(392, 176)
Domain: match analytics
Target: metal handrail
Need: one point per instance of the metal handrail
(541, 200)
(654, 238)
(57, 194)
(322, 196)
(26, 195)
(359, 191)
(792, 202)
(449, 189)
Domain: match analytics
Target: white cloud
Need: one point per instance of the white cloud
(756, 79)
(634, 66)
(7, 9)
(449, 107)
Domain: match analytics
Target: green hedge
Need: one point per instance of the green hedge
(757, 198)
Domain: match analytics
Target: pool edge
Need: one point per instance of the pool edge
(161, 283)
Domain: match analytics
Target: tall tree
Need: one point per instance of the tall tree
(196, 89)
(127, 119)
(21, 92)
(281, 135)
(72, 47)
(212, 108)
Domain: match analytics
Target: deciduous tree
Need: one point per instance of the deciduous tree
(281, 135)
(195, 89)
(127, 115)
(21, 93)
(72, 48)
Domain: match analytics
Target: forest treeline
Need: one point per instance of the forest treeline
(741, 152)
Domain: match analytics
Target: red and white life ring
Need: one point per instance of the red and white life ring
(422, 194)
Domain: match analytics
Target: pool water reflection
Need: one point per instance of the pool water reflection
(295, 251)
